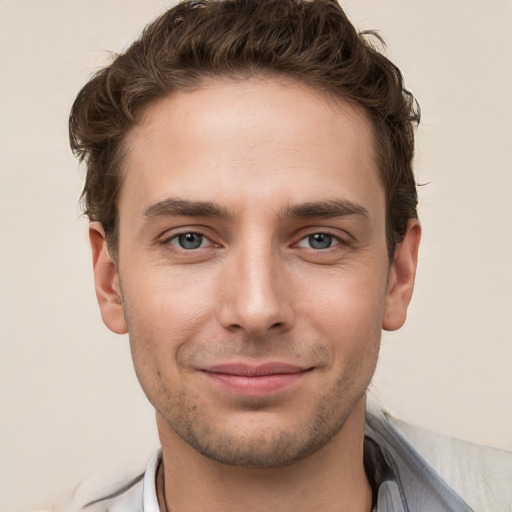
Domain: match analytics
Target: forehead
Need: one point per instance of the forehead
(242, 140)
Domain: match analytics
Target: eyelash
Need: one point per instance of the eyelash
(174, 240)
(333, 241)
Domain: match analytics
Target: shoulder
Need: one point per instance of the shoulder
(120, 492)
(123, 492)
(480, 475)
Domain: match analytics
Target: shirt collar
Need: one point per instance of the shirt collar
(150, 499)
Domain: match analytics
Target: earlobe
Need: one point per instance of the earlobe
(106, 280)
(401, 278)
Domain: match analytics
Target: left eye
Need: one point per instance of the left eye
(189, 241)
(318, 241)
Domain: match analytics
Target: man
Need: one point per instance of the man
(253, 228)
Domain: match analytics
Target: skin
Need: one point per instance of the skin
(278, 188)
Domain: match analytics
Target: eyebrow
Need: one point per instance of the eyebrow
(325, 209)
(318, 209)
(172, 207)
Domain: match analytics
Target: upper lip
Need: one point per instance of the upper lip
(249, 370)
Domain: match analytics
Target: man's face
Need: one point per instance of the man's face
(252, 267)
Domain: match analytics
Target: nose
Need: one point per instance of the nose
(255, 296)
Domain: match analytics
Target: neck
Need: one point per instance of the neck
(331, 480)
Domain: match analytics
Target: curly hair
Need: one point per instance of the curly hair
(309, 41)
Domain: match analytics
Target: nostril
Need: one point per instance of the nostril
(277, 324)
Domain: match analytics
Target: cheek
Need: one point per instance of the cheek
(162, 316)
(164, 307)
(347, 317)
(347, 305)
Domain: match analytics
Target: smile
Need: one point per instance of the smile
(255, 381)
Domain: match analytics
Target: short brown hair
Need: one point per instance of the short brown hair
(309, 41)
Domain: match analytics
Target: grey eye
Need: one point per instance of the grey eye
(320, 241)
(190, 240)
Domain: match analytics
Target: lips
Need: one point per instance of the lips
(255, 380)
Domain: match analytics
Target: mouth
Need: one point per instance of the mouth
(255, 380)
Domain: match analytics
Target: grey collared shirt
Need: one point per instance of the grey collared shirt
(401, 479)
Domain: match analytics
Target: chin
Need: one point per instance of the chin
(263, 439)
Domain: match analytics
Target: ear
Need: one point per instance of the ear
(106, 280)
(401, 278)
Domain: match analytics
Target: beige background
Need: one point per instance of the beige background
(70, 404)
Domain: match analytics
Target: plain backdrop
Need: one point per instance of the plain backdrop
(70, 405)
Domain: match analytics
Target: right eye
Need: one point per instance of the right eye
(189, 241)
